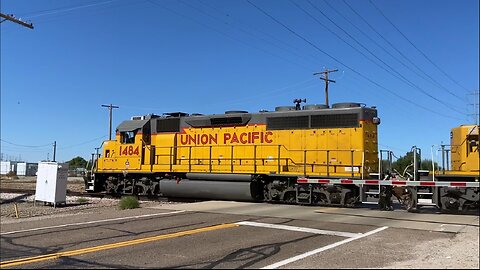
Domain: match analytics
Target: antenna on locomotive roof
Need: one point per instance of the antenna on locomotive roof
(325, 73)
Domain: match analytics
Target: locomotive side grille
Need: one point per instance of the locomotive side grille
(226, 121)
(295, 122)
(168, 125)
(334, 120)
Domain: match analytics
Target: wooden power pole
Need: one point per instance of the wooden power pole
(325, 73)
(12, 18)
(110, 107)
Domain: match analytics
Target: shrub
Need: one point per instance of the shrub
(82, 200)
(129, 202)
(12, 175)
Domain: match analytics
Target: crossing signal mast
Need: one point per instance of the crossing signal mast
(12, 18)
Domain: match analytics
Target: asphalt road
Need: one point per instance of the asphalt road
(209, 235)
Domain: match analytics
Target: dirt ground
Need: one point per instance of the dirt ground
(74, 184)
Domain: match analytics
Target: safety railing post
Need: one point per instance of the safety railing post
(415, 164)
(190, 159)
(231, 159)
(305, 162)
(380, 166)
(254, 159)
(171, 158)
(363, 164)
(278, 158)
(210, 158)
(351, 152)
(328, 162)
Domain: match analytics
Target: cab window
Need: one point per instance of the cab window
(128, 136)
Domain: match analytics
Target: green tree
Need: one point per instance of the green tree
(77, 162)
(407, 161)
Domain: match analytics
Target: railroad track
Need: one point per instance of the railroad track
(29, 192)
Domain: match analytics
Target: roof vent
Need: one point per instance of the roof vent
(347, 105)
(284, 108)
(315, 107)
(232, 112)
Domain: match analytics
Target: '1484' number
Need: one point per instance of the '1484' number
(128, 151)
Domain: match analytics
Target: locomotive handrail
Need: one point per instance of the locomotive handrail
(173, 157)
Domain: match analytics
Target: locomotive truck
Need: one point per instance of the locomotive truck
(311, 154)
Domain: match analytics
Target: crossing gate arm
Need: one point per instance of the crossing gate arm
(303, 180)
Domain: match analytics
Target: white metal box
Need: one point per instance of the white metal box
(8, 166)
(52, 182)
(22, 168)
(4, 167)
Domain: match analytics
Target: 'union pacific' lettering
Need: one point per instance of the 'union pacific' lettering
(198, 139)
(228, 138)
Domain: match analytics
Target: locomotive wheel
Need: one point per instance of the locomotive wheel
(290, 198)
(350, 200)
(405, 197)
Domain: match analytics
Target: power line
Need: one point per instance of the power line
(432, 80)
(29, 146)
(340, 62)
(239, 28)
(225, 34)
(420, 51)
(64, 9)
(400, 76)
(291, 49)
(83, 143)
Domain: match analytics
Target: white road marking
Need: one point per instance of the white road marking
(299, 229)
(92, 222)
(313, 252)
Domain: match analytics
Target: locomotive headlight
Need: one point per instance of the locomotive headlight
(376, 120)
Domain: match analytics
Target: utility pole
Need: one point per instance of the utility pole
(325, 73)
(54, 150)
(476, 107)
(110, 107)
(12, 18)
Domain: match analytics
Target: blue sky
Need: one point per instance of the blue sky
(210, 56)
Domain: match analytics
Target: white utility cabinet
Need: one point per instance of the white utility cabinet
(52, 182)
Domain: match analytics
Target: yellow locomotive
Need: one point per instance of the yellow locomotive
(239, 155)
(465, 153)
(465, 168)
(261, 156)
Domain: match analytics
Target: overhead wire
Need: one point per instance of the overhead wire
(347, 66)
(419, 74)
(82, 143)
(399, 75)
(63, 9)
(418, 49)
(291, 49)
(28, 146)
(187, 3)
(225, 34)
